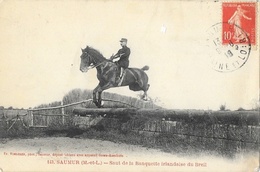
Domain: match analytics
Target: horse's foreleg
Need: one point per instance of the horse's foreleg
(99, 89)
(99, 99)
(95, 95)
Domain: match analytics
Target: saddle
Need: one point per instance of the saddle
(118, 69)
(119, 79)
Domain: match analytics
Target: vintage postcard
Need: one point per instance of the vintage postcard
(129, 86)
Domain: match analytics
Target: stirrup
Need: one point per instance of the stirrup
(120, 80)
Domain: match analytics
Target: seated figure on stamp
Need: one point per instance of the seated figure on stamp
(123, 55)
(236, 21)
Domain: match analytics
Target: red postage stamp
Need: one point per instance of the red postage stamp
(240, 19)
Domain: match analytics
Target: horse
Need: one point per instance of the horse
(107, 74)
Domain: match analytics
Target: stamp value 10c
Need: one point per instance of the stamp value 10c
(241, 19)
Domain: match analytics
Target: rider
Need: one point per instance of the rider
(123, 55)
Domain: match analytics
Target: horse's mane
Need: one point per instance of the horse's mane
(95, 52)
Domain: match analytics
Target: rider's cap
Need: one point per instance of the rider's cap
(123, 40)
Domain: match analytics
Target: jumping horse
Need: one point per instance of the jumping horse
(107, 74)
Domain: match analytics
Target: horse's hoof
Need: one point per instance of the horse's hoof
(99, 105)
(144, 98)
(96, 103)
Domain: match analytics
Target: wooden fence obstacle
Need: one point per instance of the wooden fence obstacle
(63, 115)
(31, 113)
(233, 126)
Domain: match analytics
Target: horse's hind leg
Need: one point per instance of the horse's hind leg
(144, 97)
(136, 87)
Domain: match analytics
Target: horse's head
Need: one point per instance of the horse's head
(90, 58)
(86, 60)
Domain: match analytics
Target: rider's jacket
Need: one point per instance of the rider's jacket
(123, 54)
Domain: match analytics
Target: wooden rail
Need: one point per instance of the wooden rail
(190, 116)
(137, 111)
(59, 107)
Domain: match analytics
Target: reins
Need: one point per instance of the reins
(94, 66)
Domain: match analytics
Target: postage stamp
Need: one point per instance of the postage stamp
(241, 19)
(232, 39)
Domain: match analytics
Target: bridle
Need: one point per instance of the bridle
(93, 66)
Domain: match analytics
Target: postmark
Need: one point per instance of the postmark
(227, 57)
(231, 40)
(241, 17)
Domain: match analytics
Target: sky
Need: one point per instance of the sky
(42, 40)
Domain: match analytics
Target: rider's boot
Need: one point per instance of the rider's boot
(121, 72)
(121, 76)
(118, 77)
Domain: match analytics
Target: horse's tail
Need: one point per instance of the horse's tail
(145, 68)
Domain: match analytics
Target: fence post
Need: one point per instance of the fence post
(62, 112)
(31, 116)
